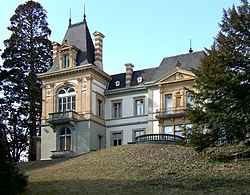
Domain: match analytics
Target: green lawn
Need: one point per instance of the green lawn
(144, 169)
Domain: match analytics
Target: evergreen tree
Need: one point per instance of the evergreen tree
(27, 53)
(12, 181)
(223, 83)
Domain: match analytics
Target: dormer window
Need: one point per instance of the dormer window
(65, 60)
(139, 79)
(117, 83)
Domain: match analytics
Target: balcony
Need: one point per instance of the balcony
(62, 117)
(170, 112)
(159, 139)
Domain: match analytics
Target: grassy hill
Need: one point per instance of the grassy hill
(142, 169)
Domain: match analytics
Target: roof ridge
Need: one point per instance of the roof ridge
(184, 54)
(135, 71)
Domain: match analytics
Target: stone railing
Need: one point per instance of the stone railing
(62, 117)
(170, 111)
(62, 154)
(160, 139)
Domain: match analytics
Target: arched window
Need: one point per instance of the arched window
(66, 99)
(65, 139)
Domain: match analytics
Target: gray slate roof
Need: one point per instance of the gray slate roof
(78, 35)
(188, 62)
(146, 75)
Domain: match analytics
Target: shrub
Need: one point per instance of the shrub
(12, 181)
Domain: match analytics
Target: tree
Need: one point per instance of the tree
(223, 83)
(12, 181)
(27, 53)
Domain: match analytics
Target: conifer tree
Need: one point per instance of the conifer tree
(27, 53)
(223, 83)
(12, 181)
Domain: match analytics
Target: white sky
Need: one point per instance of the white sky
(141, 32)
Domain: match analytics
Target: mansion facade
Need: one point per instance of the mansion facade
(86, 109)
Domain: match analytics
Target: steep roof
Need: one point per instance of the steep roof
(79, 36)
(187, 62)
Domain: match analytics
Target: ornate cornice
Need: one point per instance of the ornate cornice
(73, 70)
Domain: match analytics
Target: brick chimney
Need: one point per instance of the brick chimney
(55, 46)
(98, 49)
(129, 72)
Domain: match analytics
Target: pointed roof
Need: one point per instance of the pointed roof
(79, 36)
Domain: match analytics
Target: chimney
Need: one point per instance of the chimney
(55, 46)
(129, 72)
(98, 49)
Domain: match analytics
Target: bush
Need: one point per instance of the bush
(12, 181)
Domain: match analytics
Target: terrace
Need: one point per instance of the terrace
(160, 139)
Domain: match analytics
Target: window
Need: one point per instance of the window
(117, 83)
(66, 99)
(100, 105)
(178, 130)
(99, 108)
(168, 103)
(116, 138)
(117, 109)
(65, 139)
(139, 79)
(139, 106)
(168, 129)
(188, 131)
(65, 60)
(138, 133)
(189, 99)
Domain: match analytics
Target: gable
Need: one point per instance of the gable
(176, 76)
(66, 46)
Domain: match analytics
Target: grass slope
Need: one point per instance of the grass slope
(142, 169)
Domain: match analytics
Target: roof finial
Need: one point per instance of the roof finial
(70, 17)
(84, 15)
(190, 50)
(178, 64)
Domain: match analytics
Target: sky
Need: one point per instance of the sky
(141, 32)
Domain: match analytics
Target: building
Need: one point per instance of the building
(85, 109)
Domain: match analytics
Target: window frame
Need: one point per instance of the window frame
(112, 136)
(113, 109)
(100, 110)
(65, 60)
(65, 136)
(169, 127)
(168, 110)
(137, 130)
(177, 131)
(142, 98)
(66, 100)
(190, 100)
